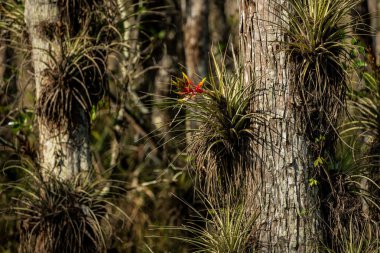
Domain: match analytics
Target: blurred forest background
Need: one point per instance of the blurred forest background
(140, 145)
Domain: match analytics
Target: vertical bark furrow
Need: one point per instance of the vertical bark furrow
(287, 219)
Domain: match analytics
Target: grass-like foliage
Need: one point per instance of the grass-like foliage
(76, 79)
(12, 22)
(363, 128)
(349, 190)
(319, 33)
(224, 227)
(364, 104)
(61, 216)
(358, 237)
(219, 144)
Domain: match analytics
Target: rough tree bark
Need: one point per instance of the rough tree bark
(62, 153)
(288, 209)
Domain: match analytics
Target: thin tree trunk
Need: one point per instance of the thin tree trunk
(288, 206)
(169, 67)
(62, 153)
(196, 35)
(218, 26)
(195, 41)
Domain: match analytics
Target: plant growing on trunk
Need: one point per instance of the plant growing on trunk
(62, 216)
(297, 52)
(319, 44)
(70, 43)
(219, 147)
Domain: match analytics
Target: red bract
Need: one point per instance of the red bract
(199, 89)
(189, 88)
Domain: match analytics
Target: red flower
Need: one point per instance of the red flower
(189, 88)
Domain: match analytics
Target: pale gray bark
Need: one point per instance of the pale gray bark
(62, 153)
(288, 206)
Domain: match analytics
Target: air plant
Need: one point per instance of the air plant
(220, 106)
(363, 128)
(348, 192)
(75, 75)
(225, 226)
(318, 42)
(76, 79)
(62, 216)
(358, 237)
(364, 104)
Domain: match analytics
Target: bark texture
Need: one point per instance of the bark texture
(62, 153)
(288, 206)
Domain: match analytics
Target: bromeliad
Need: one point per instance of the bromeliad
(187, 88)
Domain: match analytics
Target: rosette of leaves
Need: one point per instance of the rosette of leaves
(363, 128)
(12, 25)
(365, 105)
(219, 145)
(76, 79)
(318, 33)
(228, 227)
(349, 194)
(62, 216)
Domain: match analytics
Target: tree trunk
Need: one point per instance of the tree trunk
(196, 35)
(373, 8)
(219, 29)
(195, 41)
(288, 206)
(62, 153)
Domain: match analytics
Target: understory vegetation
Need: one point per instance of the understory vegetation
(172, 152)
